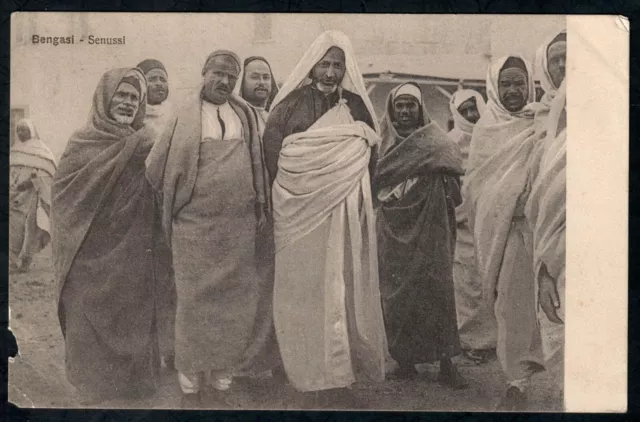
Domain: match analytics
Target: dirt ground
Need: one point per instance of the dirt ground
(37, 376)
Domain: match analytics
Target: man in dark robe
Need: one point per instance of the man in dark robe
(103, 245)
(417, 187)
(207, 167)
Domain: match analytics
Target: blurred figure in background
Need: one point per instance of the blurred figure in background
(32, 168)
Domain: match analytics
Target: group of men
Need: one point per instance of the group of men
(289, 232)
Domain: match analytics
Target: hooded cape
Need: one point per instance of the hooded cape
(416, 239)
(103, 222)
(352, 80)
(93, 160)
(327, 312)
(462, 129)
(496, 178)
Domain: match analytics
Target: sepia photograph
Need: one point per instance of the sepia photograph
(289, 211)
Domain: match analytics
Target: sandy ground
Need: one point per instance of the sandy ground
(37, 376)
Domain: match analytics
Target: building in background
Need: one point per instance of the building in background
(54, 84)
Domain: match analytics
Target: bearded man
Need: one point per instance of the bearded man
(208, 170)
(103, 245)
(258, 87)
(318, 144)
(417, 188)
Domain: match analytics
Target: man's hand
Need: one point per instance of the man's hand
(548, 296)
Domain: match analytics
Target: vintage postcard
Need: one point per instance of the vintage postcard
(305, 211)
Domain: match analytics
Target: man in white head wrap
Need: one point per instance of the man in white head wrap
(318, 141)
(497, 192)
(495, 179)
(476, 323)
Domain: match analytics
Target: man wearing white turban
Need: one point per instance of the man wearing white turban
(318, 145)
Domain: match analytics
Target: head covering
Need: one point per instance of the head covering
(562, 36)
(458, 98)
(352, 80)
(32, 128)
(132, 81)
(33, 151)
(498, 126)
(494, 105)
(542, 65)
(217, 53)
(274, 85)
(388, 131)
(100, 123)
(147, 65)
(409, 89)
(515, 63)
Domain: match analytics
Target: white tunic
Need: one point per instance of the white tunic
(211, 129)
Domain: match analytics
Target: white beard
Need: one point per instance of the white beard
(125, 120)
(324, 90)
